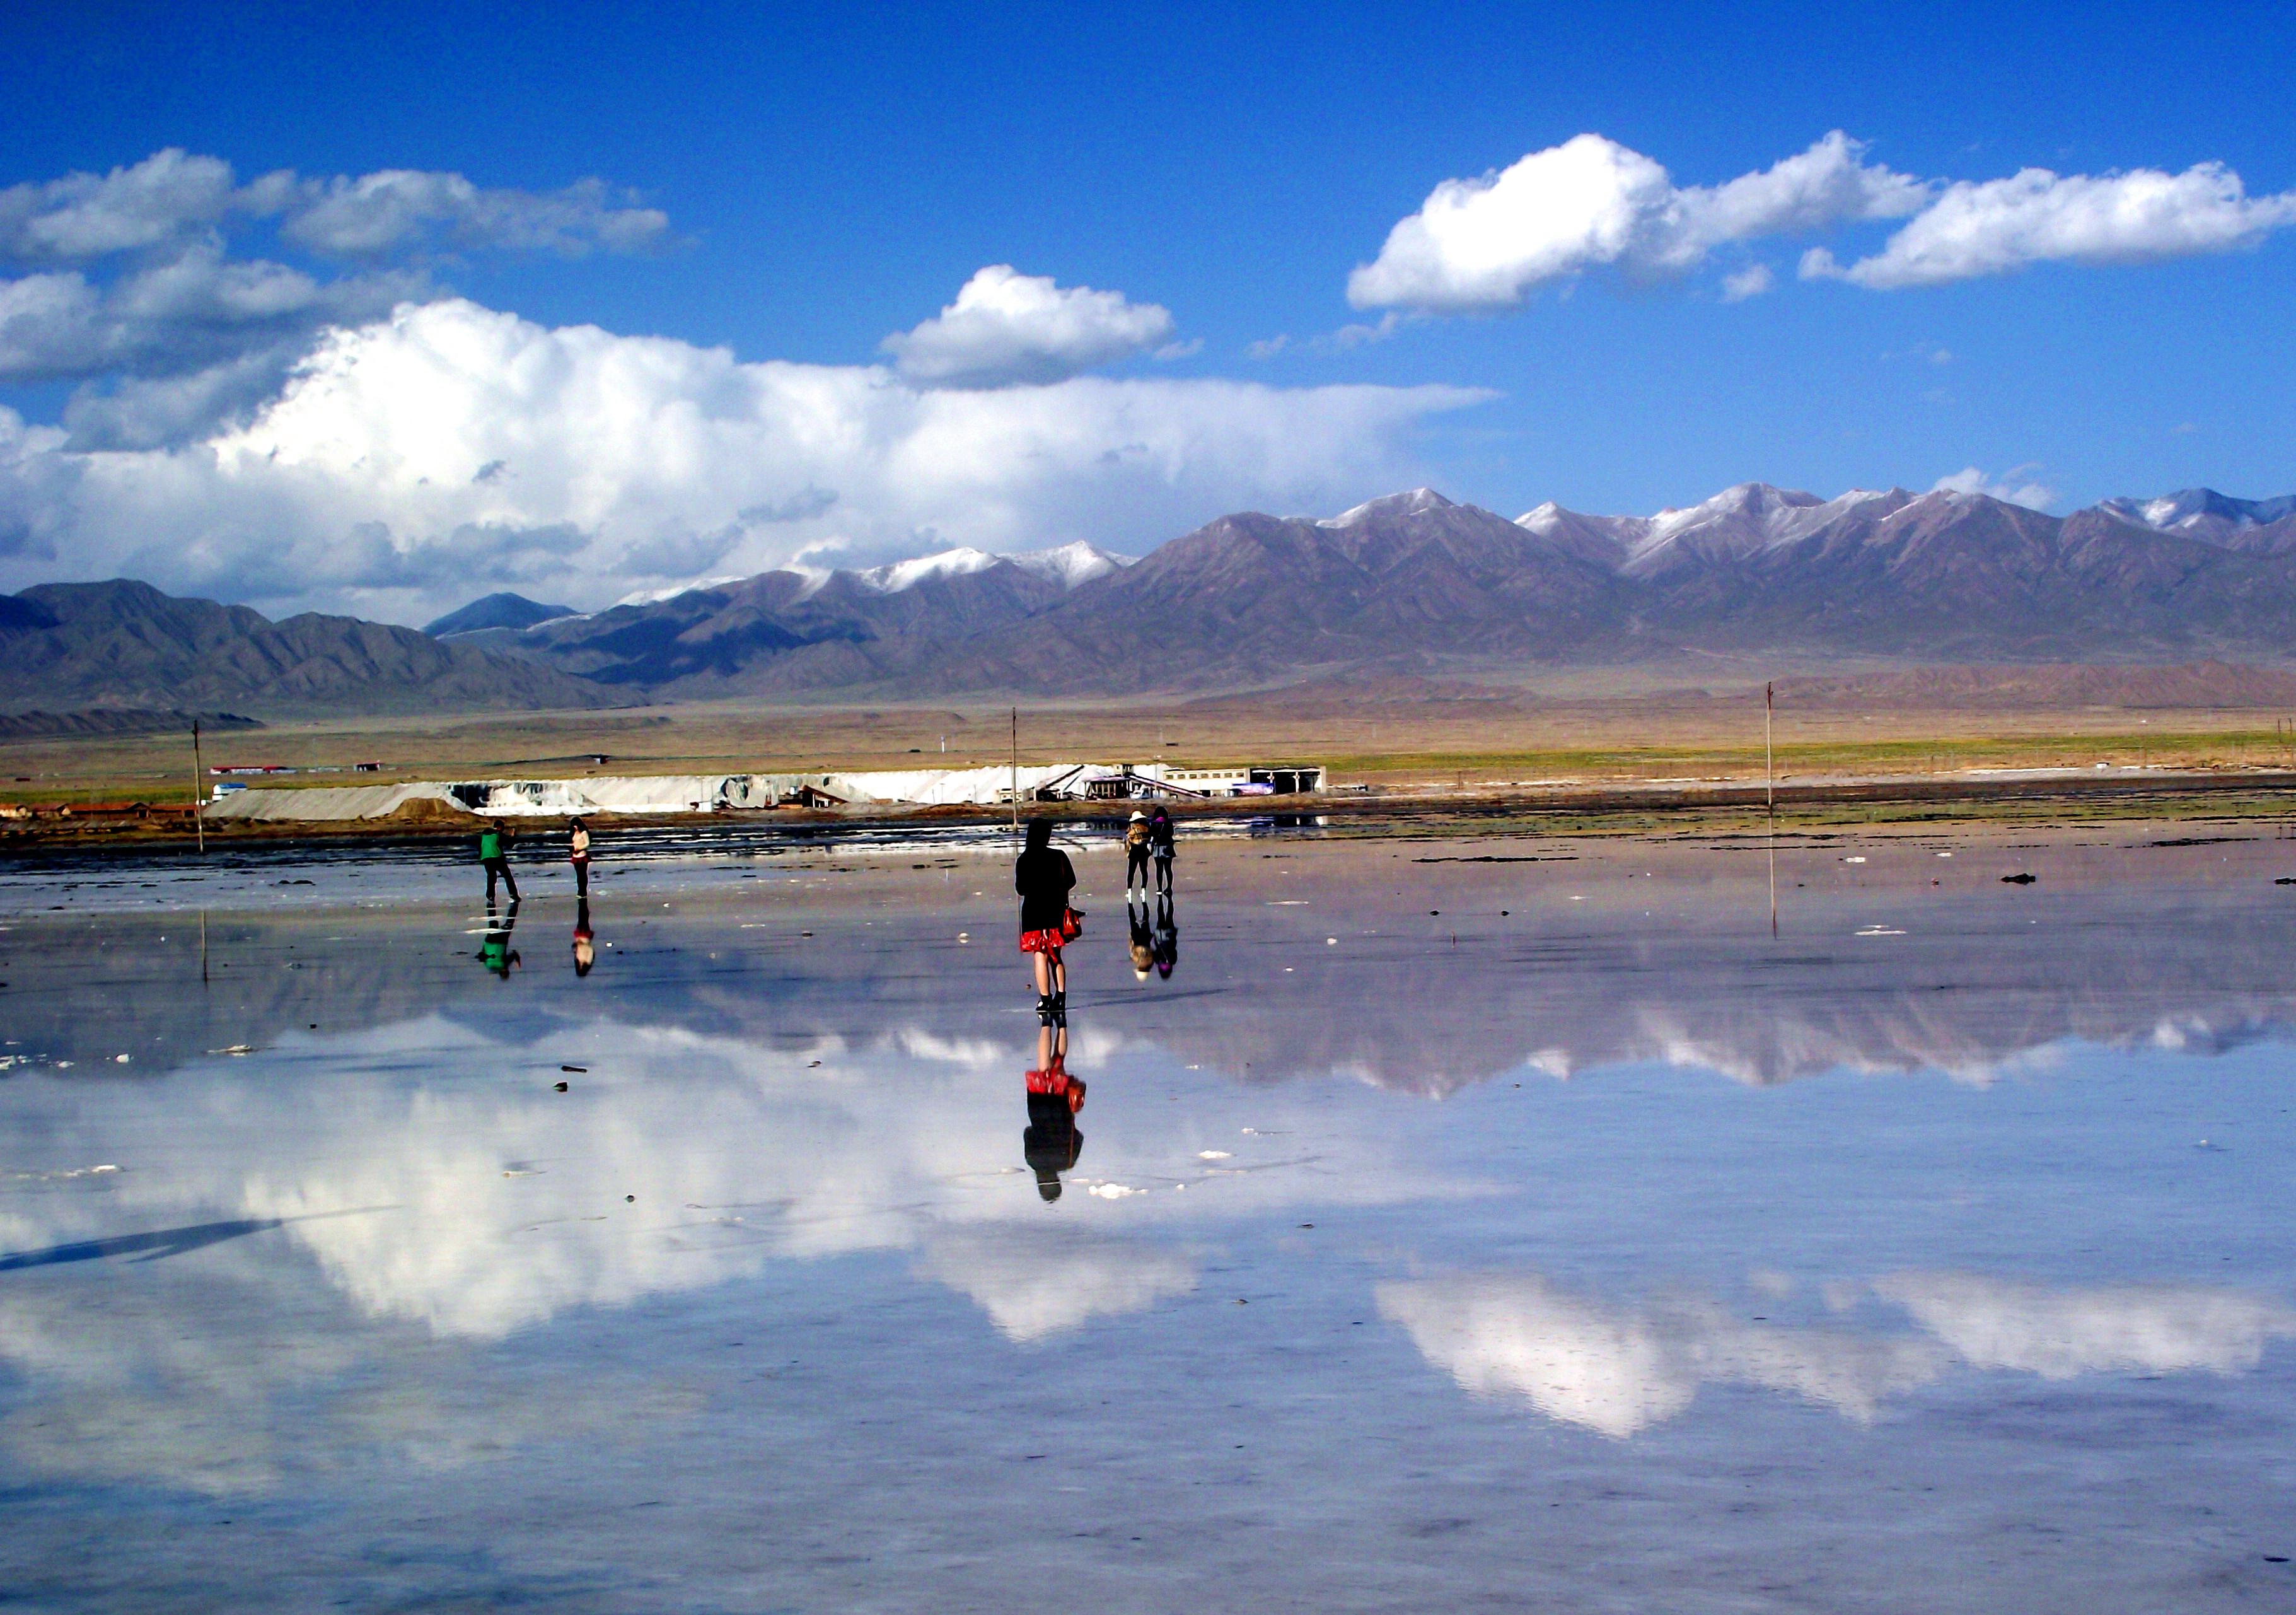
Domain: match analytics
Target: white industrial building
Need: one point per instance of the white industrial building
(659, 793)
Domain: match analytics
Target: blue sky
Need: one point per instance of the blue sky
(826, 178)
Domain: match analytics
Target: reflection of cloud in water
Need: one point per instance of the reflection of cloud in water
(1618, 1370)
(506, 1202)
(1033, 1282)
(2003, 1323)
(1621, 1370)
(229, 1378)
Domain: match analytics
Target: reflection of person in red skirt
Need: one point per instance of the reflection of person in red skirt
(1051, 1143)
(585, 947)
(1045, 877)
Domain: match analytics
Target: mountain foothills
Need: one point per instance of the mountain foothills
(1412, 583)
(125, 644)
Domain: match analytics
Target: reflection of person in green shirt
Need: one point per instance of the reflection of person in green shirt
(495, 951)
(490, 854)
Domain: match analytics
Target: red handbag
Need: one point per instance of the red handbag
(1071, 924)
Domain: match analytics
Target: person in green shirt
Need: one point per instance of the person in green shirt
(490, 854)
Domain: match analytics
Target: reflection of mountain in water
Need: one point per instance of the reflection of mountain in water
(1973, 983)
(1964, 983)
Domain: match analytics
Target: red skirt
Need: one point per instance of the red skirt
(1042, 942)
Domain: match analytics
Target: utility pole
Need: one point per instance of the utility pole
(1769, 784)
(199, 812)
(1016, 773)
(1770, 801)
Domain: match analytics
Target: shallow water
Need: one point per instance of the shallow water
(1448, 1230)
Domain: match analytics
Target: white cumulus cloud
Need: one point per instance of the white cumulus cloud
(1007, 328)
(2009, 488)
(385, 213)
(166, 197)
(2034, 216)
(174, 196)
(136, 292)
(622, 461)
(1486, 243)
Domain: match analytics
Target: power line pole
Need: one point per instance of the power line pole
(1769, 783)
(1770, 801)
(1016, 773)
(198, 805)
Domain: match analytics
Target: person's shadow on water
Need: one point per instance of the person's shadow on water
(162, 1242)
(145, 1247)
(1051, 1143)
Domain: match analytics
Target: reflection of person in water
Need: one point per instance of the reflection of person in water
(1045, 877)
(1164, 948)
(1142, 953)
(495, 951)
(1051, 1143)
(586, 952)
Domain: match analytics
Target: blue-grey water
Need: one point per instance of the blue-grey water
(1458, 1224)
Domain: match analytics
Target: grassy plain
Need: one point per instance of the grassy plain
(1396, 740)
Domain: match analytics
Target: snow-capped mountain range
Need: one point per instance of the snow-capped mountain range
(1067, 565)
(1754, 578)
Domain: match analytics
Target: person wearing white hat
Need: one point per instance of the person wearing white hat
(1136, 855)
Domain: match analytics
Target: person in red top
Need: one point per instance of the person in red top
(1044, 877)
(578, 853)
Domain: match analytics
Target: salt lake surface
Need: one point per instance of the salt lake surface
(1458, 1224)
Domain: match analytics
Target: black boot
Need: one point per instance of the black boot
(1043, 1008)
(1061, 1008)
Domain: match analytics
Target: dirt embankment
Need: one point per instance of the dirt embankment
(1578, 809)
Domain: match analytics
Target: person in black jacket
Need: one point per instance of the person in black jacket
(1159, 844)
(1044, 877)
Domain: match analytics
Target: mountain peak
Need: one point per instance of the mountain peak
(1070, 564)
(1406, 504)
(895, 577)
(504, 610)
(2202, 512)
(1752, 499)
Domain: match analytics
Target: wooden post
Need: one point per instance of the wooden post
(198, 809)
